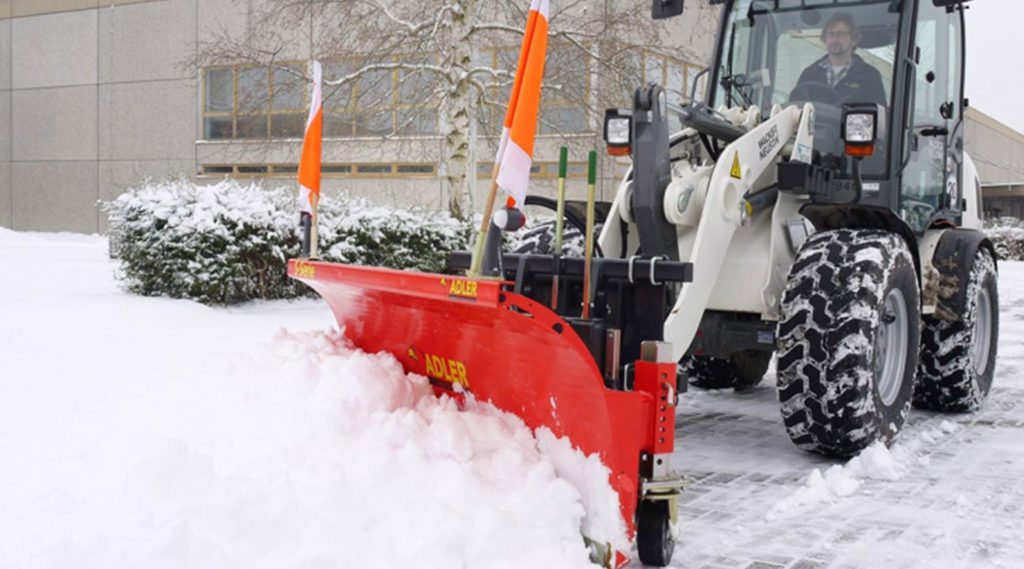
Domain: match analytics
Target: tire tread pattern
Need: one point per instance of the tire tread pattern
(947, 374)
(831, 309)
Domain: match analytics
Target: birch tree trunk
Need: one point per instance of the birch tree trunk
(456, 110)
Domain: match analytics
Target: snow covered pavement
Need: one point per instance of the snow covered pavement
(949, 494)
(148, 432)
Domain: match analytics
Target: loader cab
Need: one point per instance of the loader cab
(906, 56)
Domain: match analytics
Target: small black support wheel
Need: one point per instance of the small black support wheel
(706, 372)
(654, 539)
(958, 357)
(848, 341)
(748, 368)
(741, 371)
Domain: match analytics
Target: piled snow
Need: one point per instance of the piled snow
(148, 432)
(877, 462)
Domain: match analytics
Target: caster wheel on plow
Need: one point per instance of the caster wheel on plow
(654, 539)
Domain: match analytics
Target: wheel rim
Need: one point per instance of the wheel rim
(891, 346)
(982, 331)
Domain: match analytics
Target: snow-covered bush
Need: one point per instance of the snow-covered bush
(357, 231)
(1007, 235)
(229, 243)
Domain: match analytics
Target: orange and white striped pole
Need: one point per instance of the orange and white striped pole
(515, 151)
(309, 164)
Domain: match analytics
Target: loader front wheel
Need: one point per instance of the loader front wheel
(848, 341)
(958, 357)
(655, 541)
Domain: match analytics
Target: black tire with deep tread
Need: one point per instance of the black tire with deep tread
(741, 371)
(539, 238)
(654, 540)
(832, 309)
(707, 372)
(947, 376)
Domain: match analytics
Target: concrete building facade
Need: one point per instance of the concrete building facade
(97, 95)
(89, 105)
(998, 152)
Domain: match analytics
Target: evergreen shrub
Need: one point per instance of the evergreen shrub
(229, 243)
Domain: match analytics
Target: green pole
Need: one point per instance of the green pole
(563, 167)
(591, 184)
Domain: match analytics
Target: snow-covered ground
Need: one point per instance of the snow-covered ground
(147, 432)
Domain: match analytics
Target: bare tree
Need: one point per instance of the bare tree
(444, 67)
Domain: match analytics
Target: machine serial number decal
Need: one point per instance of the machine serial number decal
(768, 142)
(304, 270)
(448, 370)
(464, 289)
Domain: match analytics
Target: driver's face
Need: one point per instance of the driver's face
(839, 39)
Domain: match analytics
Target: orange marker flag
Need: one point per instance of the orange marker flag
(309, 165)
(515, 151)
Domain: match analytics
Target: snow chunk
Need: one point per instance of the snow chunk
(876, 463)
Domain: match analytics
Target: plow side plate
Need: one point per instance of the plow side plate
(466, 334)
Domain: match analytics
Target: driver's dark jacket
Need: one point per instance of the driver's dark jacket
(862, 83)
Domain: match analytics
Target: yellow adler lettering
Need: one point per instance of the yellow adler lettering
(305, 270)
(465, 289)
(452, 371)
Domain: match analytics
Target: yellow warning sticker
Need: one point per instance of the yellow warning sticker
(736, 171)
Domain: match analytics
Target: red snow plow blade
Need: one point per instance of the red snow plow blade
(473, 335)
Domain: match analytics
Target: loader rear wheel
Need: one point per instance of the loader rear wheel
(654, 540)
(958, 357)
(741, 371)
(539, 238)
(848, 341)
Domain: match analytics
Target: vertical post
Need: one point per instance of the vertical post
(589, 249)
(305, 222)
(563, 167)
(478, 250)
(314, 237)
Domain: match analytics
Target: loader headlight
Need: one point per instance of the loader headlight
(617, 130)
(860, 128)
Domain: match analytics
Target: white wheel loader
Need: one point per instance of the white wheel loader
(818, 205)
(831, 215)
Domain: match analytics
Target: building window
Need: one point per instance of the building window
(563, 102)
(675, 75)
(395, 98)
(643, 67)
(564, 92)
(247, 102)
(538, 170)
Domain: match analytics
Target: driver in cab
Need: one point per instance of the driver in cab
(842, 70)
